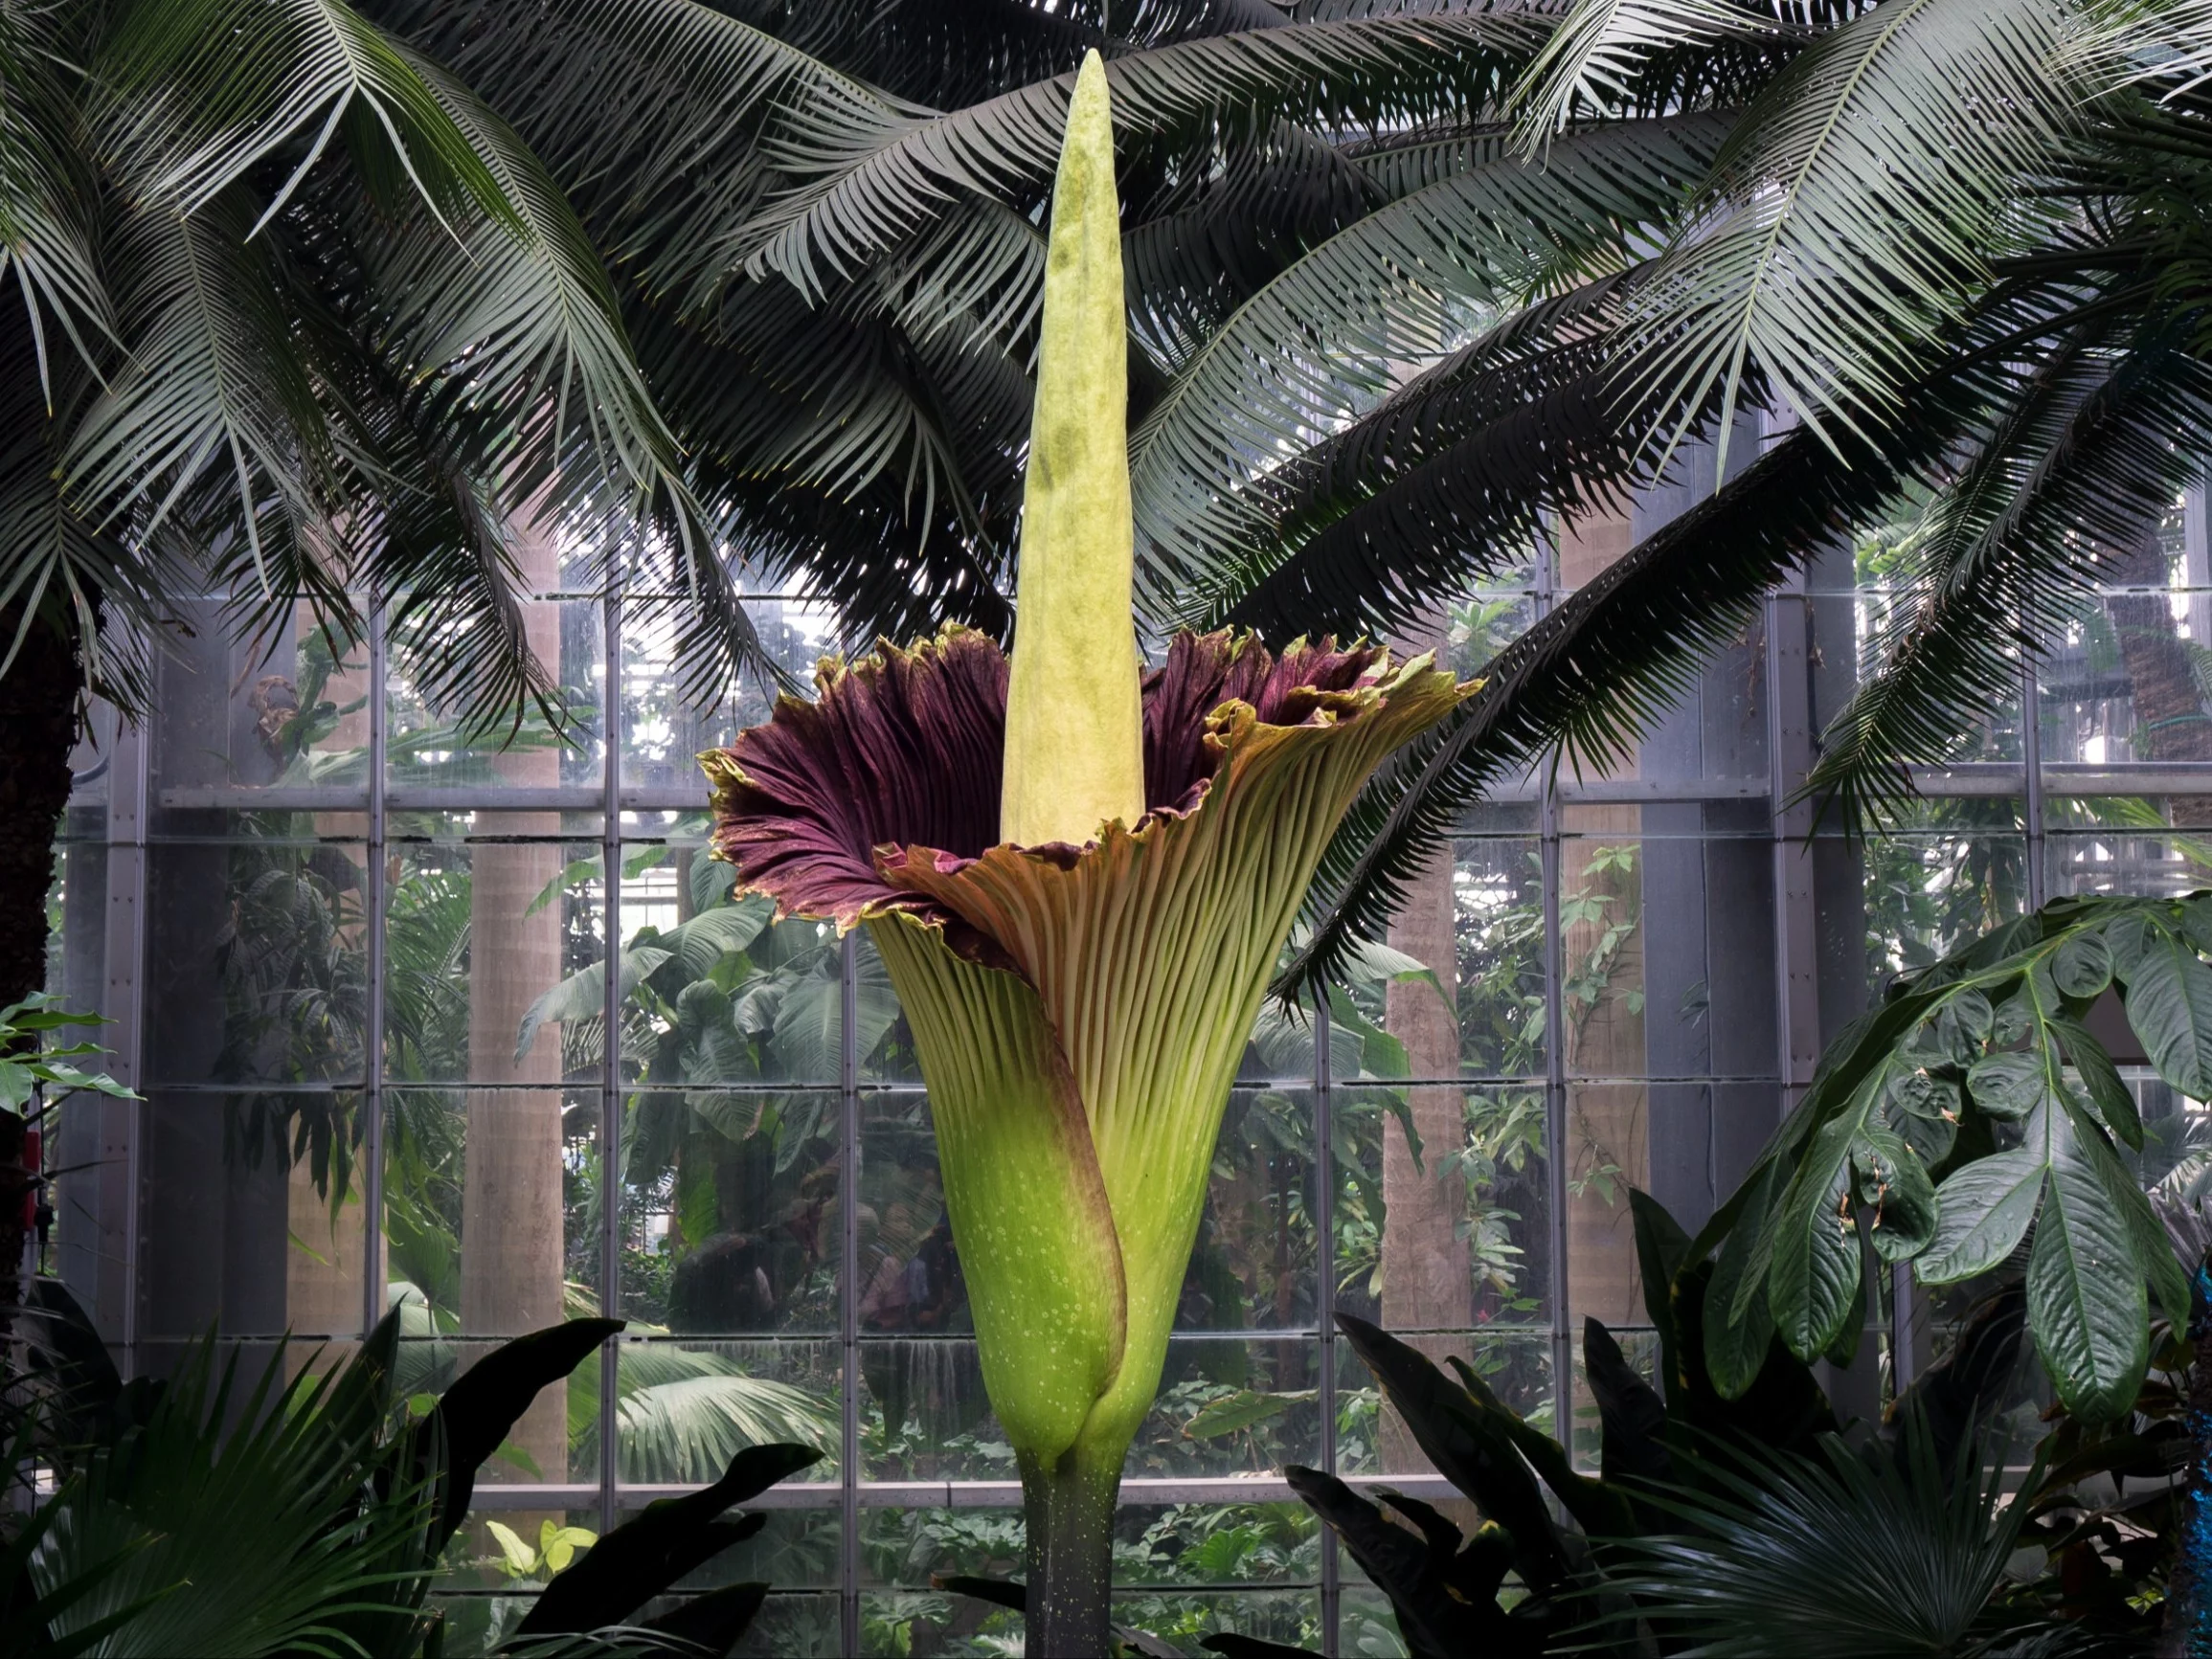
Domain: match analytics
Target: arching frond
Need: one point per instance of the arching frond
(649, 112)
(1611, 56)
(1449, 480)
(1334, 330)
(204, 90)
(2095, 449)
(868, 176)
(1586, 681)
(215, 394)
(1852, 213)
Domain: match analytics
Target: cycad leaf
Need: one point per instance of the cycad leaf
(874, 174)
(1339, 326)
(1853, 208)
(203, 90)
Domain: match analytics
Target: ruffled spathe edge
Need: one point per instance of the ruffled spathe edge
(862, 802)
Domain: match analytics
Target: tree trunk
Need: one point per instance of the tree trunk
(512, 1246)
(39, 710)
(1427, 1282)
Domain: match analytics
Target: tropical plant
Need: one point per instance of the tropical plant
(32, 1063)
(1565, 1561)
(210, 1514)
(299, 317)
(1081, 974)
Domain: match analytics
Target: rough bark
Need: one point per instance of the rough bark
(1427, 1282)
(1608, 1124)
(512, 1245)
(39, 712)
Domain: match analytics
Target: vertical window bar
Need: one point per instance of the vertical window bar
(849, 1288)
(1325, 1300)
(2032, 767)
(611, 1216)
(372, 1289)
(1554, 1057)
(124, 1004)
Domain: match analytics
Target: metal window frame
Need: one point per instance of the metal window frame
(1796, 1037)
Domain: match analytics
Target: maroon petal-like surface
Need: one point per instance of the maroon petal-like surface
(1202, 672)
(900, 748)
(901, 752)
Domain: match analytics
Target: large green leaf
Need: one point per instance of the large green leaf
(1814, 1269)
(1982, 1212)
(2087, 1304)
(2168, 1003)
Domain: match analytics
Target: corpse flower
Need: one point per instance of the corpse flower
(1079, 876)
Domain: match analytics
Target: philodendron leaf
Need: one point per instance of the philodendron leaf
(2082, 966)
(1982, 1212)
(2102, 1081)
(1814, 1269)
(2154, 1248)
(1239, 1410)
(2010, 1085)
(2168, 1003)
(1738, 1324)
(2087, 1304)
(1894, 1183)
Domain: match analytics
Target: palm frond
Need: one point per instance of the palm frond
(1852, 213)
(1598, 61)
(1438, 491)
(869, 175)
(949, 53)
(220, 1537)
(1335, 329)
(56, 569)
(1587, 679)
(1876, 1550)
(46, 184)
(215, 397)
(520, 315)
(649, 112)
(2095, 449)
(199, 92)
(683, 1414)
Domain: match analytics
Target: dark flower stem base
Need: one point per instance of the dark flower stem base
(1069, 1511)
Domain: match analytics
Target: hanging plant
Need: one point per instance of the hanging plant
(1080, 876)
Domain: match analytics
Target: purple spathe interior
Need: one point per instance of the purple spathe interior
(903, 749)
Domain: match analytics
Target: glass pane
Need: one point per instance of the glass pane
(1372, 1439)
(731, 1210)
(494, 950)
(2123, 844)
(714, 992)
(253, 1221)
(1933, 887)
(437, 755)
(1253, 1264)
(684, 1409)
(1230, 1405)
(923, 1414)
(1498, 900)
(255, 962)
(233, 725)
(663, 728)
(492, 1208)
